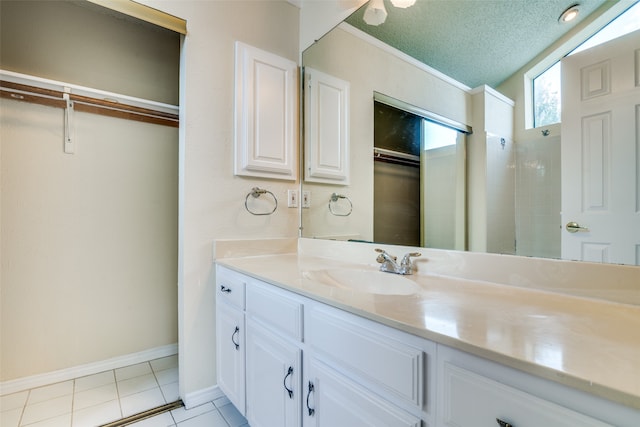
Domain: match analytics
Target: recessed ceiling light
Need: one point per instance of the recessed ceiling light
(570, 13)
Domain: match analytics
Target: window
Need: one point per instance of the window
(546, 86)
(546, 97)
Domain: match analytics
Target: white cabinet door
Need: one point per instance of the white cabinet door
(230, 343)
(326, 113)
(265, 114)
(332, 400)
(273, 378)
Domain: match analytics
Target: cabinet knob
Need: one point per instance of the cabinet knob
(311, 389)
(284, 382)
(503, 423)
(224, 289)
(233, 337)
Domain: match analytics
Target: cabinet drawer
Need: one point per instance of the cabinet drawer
(376, 359)
(472, 400)
(230, 287)
(276, 307)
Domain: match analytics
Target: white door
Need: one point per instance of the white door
(273, 378)
(601, 153)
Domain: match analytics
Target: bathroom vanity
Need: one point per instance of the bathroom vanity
(308, 339)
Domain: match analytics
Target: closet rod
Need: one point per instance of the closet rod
(54, 98)
(395, 157)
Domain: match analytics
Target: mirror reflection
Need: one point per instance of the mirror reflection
(509, 186)
(418, 179)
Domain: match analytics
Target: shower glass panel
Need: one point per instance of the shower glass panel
(442, 166)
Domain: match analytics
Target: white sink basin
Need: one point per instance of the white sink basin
(366, 281)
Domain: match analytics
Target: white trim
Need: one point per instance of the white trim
(493, 92)
(43, 83)
(426, 114)
(202, 396)
(402, 56)
(39, 380)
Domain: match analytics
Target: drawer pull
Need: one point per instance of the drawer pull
(284, 382)
(311, 389)
(236, 331)
(503, 423)
(224, 289)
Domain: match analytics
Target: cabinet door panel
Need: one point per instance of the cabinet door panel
(273, 378)
(265, 116)
(230, 342)
(335, 401)
(472, 400)
(326, 128)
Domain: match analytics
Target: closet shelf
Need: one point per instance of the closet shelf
(54, 98)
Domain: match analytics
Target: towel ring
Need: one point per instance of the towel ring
(257, 192)
(334, 198)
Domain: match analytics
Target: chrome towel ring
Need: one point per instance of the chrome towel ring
(255, 193)
(334, 200)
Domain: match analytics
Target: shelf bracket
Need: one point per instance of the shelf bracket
(69, 143)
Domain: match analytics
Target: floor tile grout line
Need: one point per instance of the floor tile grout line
(24, 407)
(115, 379)
(73, 401)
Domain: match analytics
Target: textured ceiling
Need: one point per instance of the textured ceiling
(475, 41)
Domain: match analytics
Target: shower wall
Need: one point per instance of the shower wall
(538, 223)
(501, 181)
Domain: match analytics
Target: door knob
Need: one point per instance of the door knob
(574, 227)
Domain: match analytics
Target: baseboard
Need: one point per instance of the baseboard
(202, 396)
(25, 383)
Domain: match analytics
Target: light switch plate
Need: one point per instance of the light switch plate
(306, 199)
(292, 198)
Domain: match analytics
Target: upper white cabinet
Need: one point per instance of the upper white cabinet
(326, 119)
(265, 114)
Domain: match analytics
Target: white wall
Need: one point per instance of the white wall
(212, 199)
(318, 17)
(491, 174)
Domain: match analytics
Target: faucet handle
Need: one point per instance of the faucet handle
(384, 256)
(406, 260)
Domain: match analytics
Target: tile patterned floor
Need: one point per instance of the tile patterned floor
(108, 396)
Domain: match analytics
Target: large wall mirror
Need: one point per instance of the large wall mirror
(516, 208)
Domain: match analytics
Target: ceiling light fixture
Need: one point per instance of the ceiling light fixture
(569, 14)
(403, 4)
(375, 14)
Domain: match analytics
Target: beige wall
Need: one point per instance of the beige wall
(212, 199)
(369, 68)
(79, 43)
(89, 240)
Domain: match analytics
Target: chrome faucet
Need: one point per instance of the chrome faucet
(389, 262)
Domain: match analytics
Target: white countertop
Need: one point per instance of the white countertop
(589, 344)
